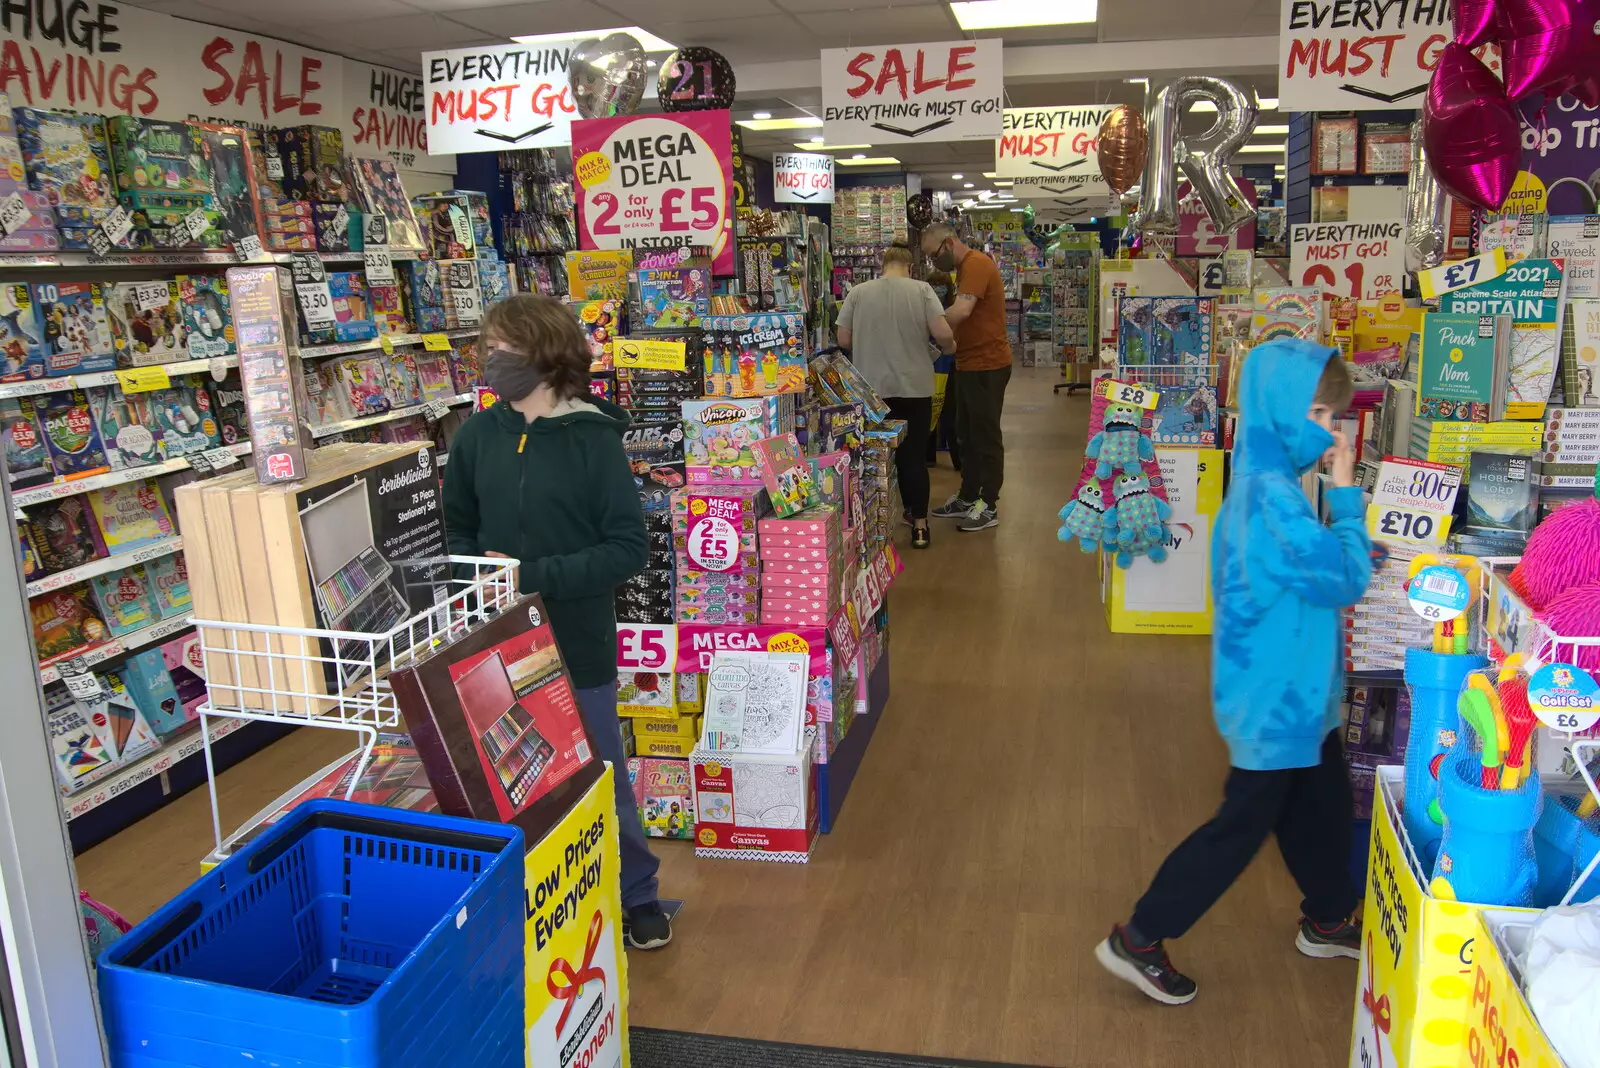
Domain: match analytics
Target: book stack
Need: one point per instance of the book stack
(1571, 448)
(1452, 442)
(802, 561)
(1382, 626)
(1464, 367)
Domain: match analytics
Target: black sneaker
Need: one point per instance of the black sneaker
(1343, 939)
(920, 537)
(954, 508)
(981, 517)
(647, 927)
(1149, 969)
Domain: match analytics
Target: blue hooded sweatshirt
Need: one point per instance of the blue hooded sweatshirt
(1280, 576)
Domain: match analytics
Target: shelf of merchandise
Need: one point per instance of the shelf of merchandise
(327, 430)
(343, 348)
(164, 547)
(190, 258)
(109, 378)
(187, 744)
(117, 646)
(54, 491)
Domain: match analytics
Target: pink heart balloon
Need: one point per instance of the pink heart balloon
(1470, 130)
(1477, 21)
(1548, 45)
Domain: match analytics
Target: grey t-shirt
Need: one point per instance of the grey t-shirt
(888, 321)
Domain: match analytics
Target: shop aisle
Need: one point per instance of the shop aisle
(1031, 771)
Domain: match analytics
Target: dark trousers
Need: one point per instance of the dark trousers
(1309, 809)
(598, 704)
(979, 396)
(910, 458)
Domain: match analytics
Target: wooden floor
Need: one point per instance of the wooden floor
(1030, 773)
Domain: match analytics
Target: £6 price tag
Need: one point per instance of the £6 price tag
(647, 646)
(1438, 593)
(1138, 396)
(1564, 697)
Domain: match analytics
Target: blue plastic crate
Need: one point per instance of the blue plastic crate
(348, 936)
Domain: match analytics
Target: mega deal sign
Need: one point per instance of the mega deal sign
(1355, 55)
(487, 99)
(802, 178)
(894, 94)
(655, 181)
(1052, 152)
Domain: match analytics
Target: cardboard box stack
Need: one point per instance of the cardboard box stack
(802, 563)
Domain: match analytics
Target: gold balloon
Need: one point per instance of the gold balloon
(1122, 144)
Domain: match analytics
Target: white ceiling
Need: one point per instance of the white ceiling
(773, 45)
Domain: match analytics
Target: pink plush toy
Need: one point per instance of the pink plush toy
(1574, 613)
(1562, 552)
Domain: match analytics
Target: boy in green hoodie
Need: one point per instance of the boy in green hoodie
(541, 477)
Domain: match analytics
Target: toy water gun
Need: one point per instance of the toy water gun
(1451, 635)
(1479, 705)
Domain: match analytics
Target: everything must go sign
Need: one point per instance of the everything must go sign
(1358, 55)
(1051, 152)
(901, 94)
(499, 97)
(1359, 260)
(802, 178)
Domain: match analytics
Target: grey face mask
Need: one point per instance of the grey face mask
(511, 376)
(945, 258)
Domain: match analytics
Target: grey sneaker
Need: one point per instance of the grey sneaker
(954, 508)
(982, 517)
(1149, 969)
(1340, 940)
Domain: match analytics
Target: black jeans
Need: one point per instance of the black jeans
(910, 457)
(979, 396)
(1309, 809)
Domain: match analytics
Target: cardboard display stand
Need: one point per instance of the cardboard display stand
(1500, 1028)
(1174, 596)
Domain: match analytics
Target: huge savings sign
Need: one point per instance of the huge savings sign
(656, 182)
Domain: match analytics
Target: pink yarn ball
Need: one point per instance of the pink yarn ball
(1574, 613)
(1562, 552)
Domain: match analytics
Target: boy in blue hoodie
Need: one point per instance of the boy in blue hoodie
(1279, 578)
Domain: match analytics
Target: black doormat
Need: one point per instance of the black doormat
(679, 1049)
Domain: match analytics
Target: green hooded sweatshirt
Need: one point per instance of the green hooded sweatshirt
(558, 495)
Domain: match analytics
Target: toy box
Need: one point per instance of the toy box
(757, 355)
(655, 454)
(81, 753)
(603, 321)
(155, 691)
(755, 807)
(433, 375)
(720, 435)
(466, 370)
(146, 325)
(184, 665)
(666, 801)
(837, 379)
(228, 408)
(227, 154)
(673, 297)
(717, 614)
(159, 157)
(27, 455)
(494, 279)
(183, 413)
(333, 223)
(169, 585)
(72, 319)
(129, 431)
(65, 623)
(351, 311)
(786, 474)
(70, 433)
(651, 694)
(446, 223)
(21, 334)
(388, 309)
(598, 275)
(207, 322)
(405, 385)
(131, 515)
(126, 600)
(66, 158)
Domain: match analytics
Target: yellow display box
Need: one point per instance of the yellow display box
(1501, 1030)
(1414, 988)
(1174, 596)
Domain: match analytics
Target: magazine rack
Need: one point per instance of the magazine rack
(318, 677)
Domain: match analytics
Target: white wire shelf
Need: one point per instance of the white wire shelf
(114, 648)
(52, 491)
(109, 378)
(155, 550)
(178, 747)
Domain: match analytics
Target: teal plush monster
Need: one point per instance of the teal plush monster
(1139, 519)
(1121, 443)
(1084, 518)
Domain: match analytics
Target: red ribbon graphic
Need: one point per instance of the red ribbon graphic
(573, 980)
(1378, 1007)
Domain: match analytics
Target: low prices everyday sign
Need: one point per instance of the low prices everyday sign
(1358, 55)
(1051, 152)
(897, 94)
(802, 178)
(655, 181)
(1359, 260)
(488, 99)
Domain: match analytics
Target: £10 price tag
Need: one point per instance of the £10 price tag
(1391, 522)
(380, 267)
(1138, 396)
(1564, 697)
(13, 213)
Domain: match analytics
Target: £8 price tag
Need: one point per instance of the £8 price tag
(1138, 396)
(647, 646)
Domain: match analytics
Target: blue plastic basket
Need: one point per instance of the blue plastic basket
(348, 936)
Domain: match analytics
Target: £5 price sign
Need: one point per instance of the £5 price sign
(656, 182)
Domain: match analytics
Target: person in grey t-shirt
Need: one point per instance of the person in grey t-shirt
(886, 324)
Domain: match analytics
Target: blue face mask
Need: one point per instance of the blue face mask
(1307, 449)
(511, 375)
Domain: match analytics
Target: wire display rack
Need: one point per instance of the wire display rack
(321, 677)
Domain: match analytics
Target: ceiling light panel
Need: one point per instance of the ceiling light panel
(997, 14)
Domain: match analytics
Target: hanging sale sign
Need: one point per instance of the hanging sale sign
(1334, 55)
(1359, 260)
(1196, 235)
(1051, 152)
(802, 178)
(899, 94)
(655, 181)
(504, 96)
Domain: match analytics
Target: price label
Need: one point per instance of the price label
(380, 267)
(463, 228)
(307, 267)
(200, 462)
(143, 379)
(647, 646)
(148, 296)
(713, 543)
(386, 343)
(341, 219)
(117, 225)
(469, 306)
(220, 458)
(85, 687)
(197, 222)
(99, 243)
(433, 411)
(219, 368)
(1393, 522)
(375, 229)
(274, 166)
(13, 213)
(1438, 593)
(317, 304)
(436, 342)
(1123, 393)
(248, 248)
(1564, 697)
(1459, 274)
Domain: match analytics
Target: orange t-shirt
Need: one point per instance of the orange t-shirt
(981, 343)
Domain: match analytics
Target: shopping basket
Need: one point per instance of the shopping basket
(348, 936)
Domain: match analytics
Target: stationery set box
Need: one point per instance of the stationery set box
(494, 718)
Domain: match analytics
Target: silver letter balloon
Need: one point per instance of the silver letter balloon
(1203, 157)
(607, 76)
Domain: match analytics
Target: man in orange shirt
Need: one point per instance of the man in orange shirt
(978, 386)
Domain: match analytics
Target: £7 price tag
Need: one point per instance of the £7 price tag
(647, 646)
(1459, 274)
(1138, 396)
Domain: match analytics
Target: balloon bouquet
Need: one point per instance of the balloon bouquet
(608, 76)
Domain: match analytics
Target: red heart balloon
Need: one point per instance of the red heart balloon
(1477, 21)
(1470, 130)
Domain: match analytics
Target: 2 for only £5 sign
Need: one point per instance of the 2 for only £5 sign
(656, 182)
(900, 94)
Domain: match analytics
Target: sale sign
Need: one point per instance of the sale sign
(1335, 55)
(1051, 152)
(1358, 260)
(899, 94)
(1196, 235)
(802, 178)
(491, 98)
(656, 182)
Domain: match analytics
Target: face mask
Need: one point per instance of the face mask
(511, 376)
(945, 258)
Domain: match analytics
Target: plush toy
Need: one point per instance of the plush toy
(1121, 444)
(1084, 518)
(1139, 516)
(1141, 544)
(1562, 552)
